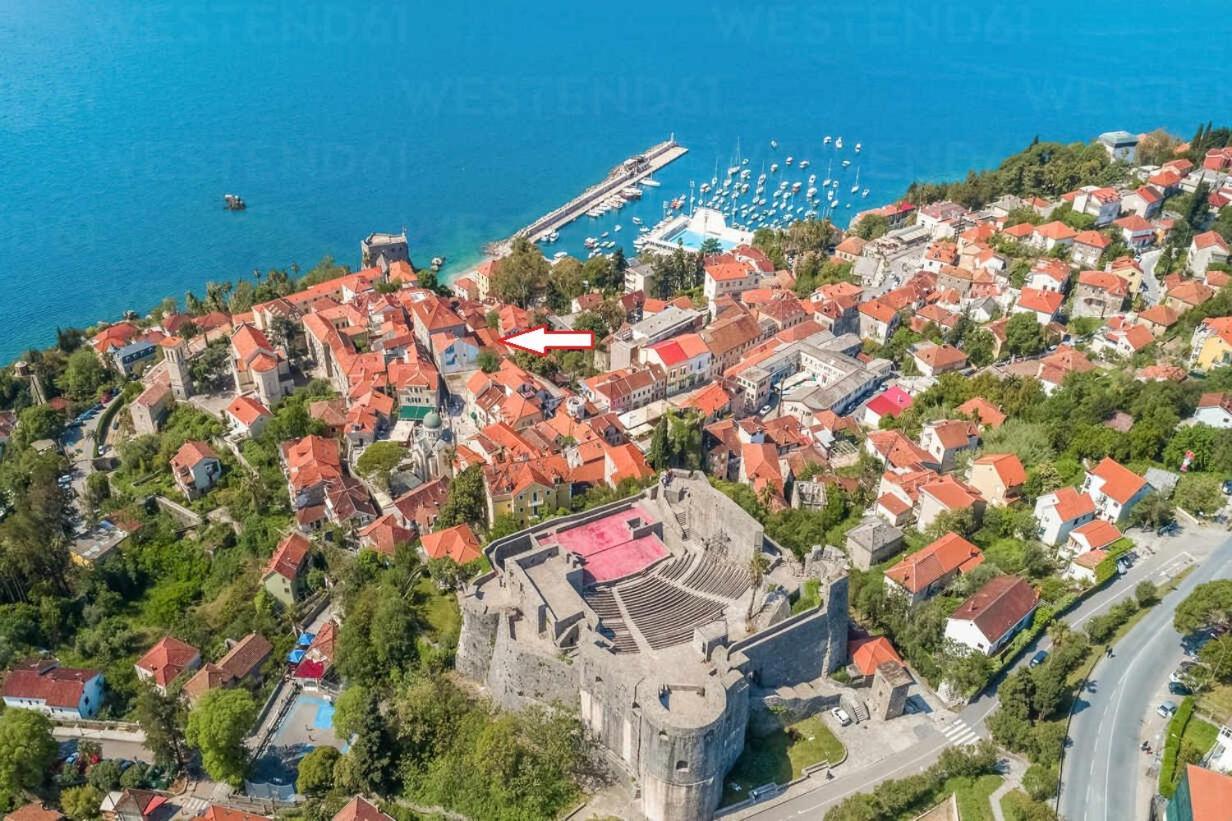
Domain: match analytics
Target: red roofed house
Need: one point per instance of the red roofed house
(1115, 489)
(877, 321)
(946, 494)
(1206, 249)
(1050, 235)
(1214, 410)
(993, 614)
(195, 468)
(946, 438)
(217, 812)
(685, 359)
(931, 360)
(1099, 294)
(385, 534)
(360, 809)
(1044, 304)
(1059, 512)
(986, 413)
(166, 661)
(890, 402)
(34, 811)
(999, 477)
(247, 416)
(1188, 294)
(1202, 795)
(1094, 535)
(458, 543)
(285, 570)
(1088, 248)
(60, 692)
(929, 570)
(727, 275)
(1137, 232)
(869, 653)
(1102, 203)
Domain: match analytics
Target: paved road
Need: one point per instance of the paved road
(1104, 767)
(1159, 559)
(1151, 287)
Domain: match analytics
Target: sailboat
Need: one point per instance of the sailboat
(856, 188)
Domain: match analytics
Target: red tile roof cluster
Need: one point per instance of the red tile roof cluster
(166, 660)
(45, 680)
(949, 554)
(999, 605)
(458, 543)
(289, 557)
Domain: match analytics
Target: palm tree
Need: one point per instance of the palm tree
(757, 570)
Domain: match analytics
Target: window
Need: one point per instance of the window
(682, 766)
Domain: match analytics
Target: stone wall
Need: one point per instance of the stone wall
(522, 674)
(789, 652)
(478, 636)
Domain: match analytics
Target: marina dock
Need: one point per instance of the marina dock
(628, 173)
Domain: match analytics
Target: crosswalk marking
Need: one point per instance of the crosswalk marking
(960, 733)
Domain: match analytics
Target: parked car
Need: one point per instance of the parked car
(840, 715)
(1182, 670)
(1168, 529)
(1167, 709)
(1177, 688)
(1227, 487)
(1038, 659)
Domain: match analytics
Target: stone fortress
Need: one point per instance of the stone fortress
(643, 615)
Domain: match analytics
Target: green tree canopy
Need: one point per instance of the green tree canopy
(27, 750)
(217, 726)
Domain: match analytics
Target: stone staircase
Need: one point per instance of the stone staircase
(683, 520)
(861, 712)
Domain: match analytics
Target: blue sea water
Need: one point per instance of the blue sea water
(122, 123)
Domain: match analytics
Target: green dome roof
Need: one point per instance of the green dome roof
(432, 420)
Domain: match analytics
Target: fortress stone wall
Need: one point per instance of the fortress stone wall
(658, 662)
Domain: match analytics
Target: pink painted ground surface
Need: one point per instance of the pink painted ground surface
(609, 548)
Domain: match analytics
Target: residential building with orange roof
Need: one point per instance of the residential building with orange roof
(988, 415)
(527, 490)
(1206, 249)
(999, 478)
(1136, 232)
(1043, 305)
(869, 653)
(1115, 489)
(151, 406)
(625, 461)
(246, 416)
(310, 464)
(1089, 247)
(932, 360)
(929, 570)
(60, 692)
(993, 615)
(1094, 535)
(725, 274)
(217, 812)
(284, 572)
(1052, 235)
(34, 811)
(166, 661)
(760, 468)
(1060, 511)
(898, 452)
(385, 534)
(946, 494)
(685, 360)
(1158, 319)
(1099, 294)
(1201, 795)
(945, 439)
(457, 543)
(1188, 294)
(360, 809)
(877, 321)
(195, 467)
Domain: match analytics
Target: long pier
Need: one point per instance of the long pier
(631, 171)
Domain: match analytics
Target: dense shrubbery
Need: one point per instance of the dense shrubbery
(908, 797)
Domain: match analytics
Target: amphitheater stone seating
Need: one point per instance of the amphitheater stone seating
(612, 625)
(718, 578)
(665, 614)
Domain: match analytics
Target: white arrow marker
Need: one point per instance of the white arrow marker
(539, 340)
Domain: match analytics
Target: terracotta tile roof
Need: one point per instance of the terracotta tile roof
(950, 493)
(1104, 281)
(1097, 533)
(34, 811)
(191, 454)
(893, 504)
(1191, 292)
(868, 654)
(1119, 482)
(878, 310)
(247, 655)
(289, 556)
(1210, 793)
(46, 680)
(209, 677)
(167, 659)
(998, 606)
(941, 356)
(1071, 505)
(458, 543)
(988, 414)
(385, 534)
(726, 268)
(1210, 239)
(1055, 230)
(1007, 466)
(247, 410)
(217, 812)
(1160, 315)
(1044, 302)
(360, 809)
(949, 554)
(1093, 239)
